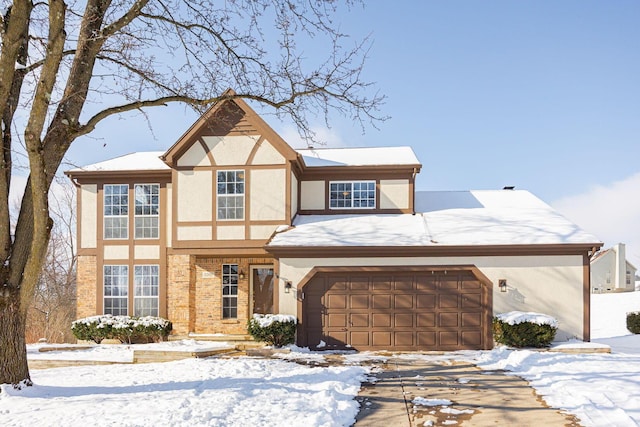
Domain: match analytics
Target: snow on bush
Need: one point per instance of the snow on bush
(275, 329)
(520, 329)
(124, 328)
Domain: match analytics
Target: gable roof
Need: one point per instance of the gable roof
(367, 156)
(601, 254)
(444, 219)
(229, 115)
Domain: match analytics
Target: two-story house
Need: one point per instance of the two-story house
(232, 221)
(611, 272)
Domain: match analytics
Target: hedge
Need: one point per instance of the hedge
(518, 329)
(124, 328)
(275, 329)
(633, 322)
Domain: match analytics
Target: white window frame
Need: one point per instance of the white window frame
(226, 193)
(146, 290)
(120, 274)
(230, 291)
(147, 207)
(111, 206)
(350, 196)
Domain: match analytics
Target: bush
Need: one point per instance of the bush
(633, 322)
(518, 329)
(275, 329)
(124, 328)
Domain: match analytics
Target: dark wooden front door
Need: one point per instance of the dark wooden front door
(263, 290)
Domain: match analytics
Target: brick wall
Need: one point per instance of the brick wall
(86, 287)
(179, 290)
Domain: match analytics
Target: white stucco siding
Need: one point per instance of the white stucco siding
(230, 232)
(259, 232)
(194, 194)
(394, 194)
(266, 154)
(231, 150)
(551, 285)
(194, 156)
(115, 252)
(88, 215)
(268, 194)
(146, 252)
(198, 232)
(312, 195)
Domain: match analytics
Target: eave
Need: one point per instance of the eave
(291, 251)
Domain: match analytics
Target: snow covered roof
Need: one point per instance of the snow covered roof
(369, 156)
(145, 160)
(444, 218)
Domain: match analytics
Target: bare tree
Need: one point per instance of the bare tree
(67, 66)
(53, 307)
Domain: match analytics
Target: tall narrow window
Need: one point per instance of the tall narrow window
(116, 289)
(352, 195)
(147, 210)
(229, 291)
(145, 290)
(230, 195)
(116, 211)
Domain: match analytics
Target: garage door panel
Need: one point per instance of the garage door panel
(447, 320)
(381, 302)
(337, 320)
(403, 320)
(402, 301)
(381, 339)
(447, 301)
(359, 320)
(359, 301)
(425, 301)
(471, 320)
(381, 320)
(403, 339)
(425, 310)
(336, 301)
(425, 320)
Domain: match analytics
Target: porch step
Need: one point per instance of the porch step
(155, 356)
(212, 337)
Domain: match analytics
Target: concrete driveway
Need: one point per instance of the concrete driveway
(414, 392)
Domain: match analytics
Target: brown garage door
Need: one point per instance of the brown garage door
(399, 310)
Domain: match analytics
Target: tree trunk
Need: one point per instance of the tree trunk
(14, 369)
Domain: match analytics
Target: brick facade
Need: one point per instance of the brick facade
(180, 271)
(86, 284)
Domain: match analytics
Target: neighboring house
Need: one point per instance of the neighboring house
(611, 272)
(231, 221)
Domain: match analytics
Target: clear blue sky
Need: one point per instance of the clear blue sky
(543, 95)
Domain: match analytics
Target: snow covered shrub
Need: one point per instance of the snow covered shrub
(274, 329)
(633, 322)
(519, 329)
(124, 328)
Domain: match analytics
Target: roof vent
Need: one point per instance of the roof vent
(508, 187)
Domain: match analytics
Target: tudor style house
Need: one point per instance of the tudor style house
(232, 221)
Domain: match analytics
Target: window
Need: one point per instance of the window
(146, 210)
(116, 289)
(352, 195)
(230, 195)
(145, 290)
(229, 291)
(628, 277)
(116, 211)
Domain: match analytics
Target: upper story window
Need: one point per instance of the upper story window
(116, 211)
(231, 195)
(147, 210)
(352, 194)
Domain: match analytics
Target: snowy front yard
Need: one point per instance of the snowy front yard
(601, 389)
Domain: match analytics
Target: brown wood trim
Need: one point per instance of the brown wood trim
(119, 177)
(207, 152)
(435, 250)
(193, 223)
(100, 251)
(174, 207)
(359, 172)
(276, 285)
(354, 211)
(162, 280)
(220, 251)
(214, 244)
(87, 251)
(227, 167)
(287, 193)
(586, 298)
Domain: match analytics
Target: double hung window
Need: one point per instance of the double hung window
(147, 197)
(145, 290)
(116, 289)
(116, 211)
(230, 191)
(229, 291)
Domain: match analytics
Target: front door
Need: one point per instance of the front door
(262, 290)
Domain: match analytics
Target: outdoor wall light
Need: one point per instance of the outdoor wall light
(503, 285)
(241, 275)
(287, 287)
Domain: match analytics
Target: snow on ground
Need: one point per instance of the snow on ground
(601, 389)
